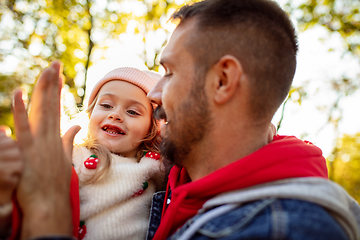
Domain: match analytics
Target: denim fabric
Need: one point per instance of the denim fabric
(155, 213)
(269, 219)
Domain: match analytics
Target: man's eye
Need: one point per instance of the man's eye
(132, 112)
(105, 105)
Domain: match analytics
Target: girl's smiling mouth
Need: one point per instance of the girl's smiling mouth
(113, 129)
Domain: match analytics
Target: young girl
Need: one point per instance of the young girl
(118, 165)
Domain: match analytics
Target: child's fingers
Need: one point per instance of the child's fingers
(6, 130)
(10, 154)
(11, 164)
(6, 143)
(3, 133)
(10, 173)
(10, 158)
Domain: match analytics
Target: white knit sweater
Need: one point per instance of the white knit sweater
(108, 206)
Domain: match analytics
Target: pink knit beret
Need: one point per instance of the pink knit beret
(143, 79)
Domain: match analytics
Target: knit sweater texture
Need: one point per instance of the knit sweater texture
(112, 207)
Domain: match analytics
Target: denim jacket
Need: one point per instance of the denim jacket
(270, 218)
(155, 213)
(300, 208)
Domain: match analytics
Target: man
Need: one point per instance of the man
(229, 65)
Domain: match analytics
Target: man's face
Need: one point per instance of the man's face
(182, 100)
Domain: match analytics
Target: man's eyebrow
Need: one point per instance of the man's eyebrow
(131, 101)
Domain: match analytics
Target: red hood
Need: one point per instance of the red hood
(285, 157)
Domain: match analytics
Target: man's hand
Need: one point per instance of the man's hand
(43, 192)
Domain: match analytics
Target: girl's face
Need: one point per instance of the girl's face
(121, 117)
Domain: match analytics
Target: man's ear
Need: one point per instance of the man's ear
(228, 72)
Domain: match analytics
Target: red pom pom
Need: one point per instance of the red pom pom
(153, 155)
(138, 193)
(82, 232)
(91, 162)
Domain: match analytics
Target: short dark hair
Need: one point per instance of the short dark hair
(258, 33)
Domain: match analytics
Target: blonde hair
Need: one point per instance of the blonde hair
(151, 143)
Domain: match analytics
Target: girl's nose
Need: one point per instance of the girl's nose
(115, 116)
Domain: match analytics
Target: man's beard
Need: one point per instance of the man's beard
(191, 122)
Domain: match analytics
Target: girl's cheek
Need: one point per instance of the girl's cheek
(143, 132)
(91, 128)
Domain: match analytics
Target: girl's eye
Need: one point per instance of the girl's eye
(105, 105)
(132, 112)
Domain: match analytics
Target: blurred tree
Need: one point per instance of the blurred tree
(344, 164)
(342, 16)
(338, 17)
(296, 95)
(6, 88)
(35, 32)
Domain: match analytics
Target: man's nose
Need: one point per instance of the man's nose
(155, 94)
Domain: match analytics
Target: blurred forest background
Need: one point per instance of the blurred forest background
(35, 32)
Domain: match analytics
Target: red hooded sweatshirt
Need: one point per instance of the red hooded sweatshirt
(285, 157)
(75, 206)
